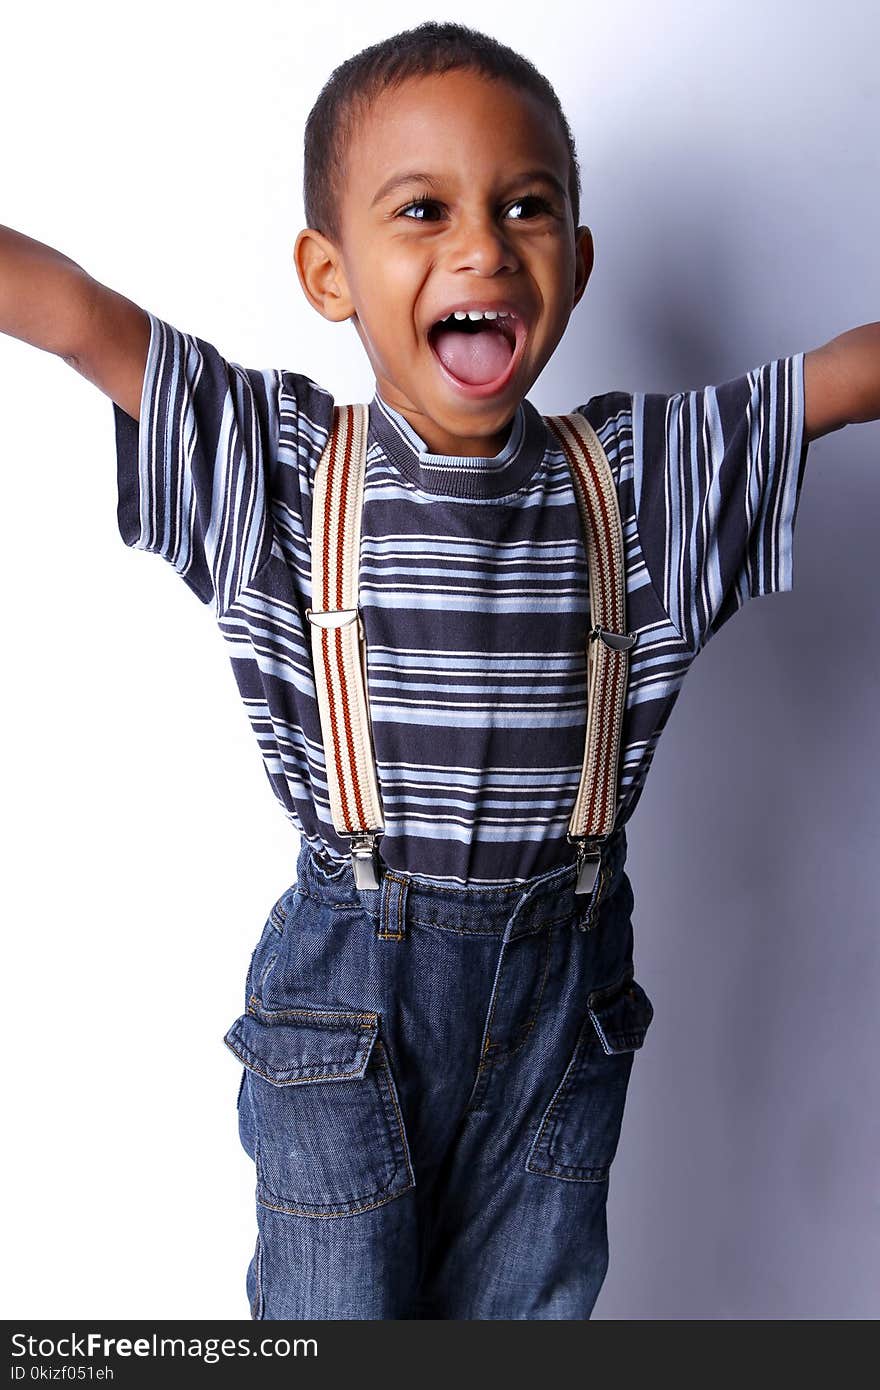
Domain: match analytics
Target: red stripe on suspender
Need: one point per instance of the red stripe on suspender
(346, 709)
(325, 635)
(343, 502)
(346, 715)
(334, 727)
(331, 469)
(343, 685)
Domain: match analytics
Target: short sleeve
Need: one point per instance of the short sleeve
(717, 475)
(193, 472)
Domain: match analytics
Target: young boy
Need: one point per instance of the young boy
(435, 1069)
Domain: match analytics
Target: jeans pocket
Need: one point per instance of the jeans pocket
(579, 1131)
(323, 1109)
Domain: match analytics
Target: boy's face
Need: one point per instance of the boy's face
(494, 233)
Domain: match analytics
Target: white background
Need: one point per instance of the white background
(730, 168)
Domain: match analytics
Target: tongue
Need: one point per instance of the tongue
(473, 357)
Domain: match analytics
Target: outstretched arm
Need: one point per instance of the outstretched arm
(842, 381)
(48, 300)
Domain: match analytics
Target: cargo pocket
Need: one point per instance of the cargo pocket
(328, 1134)
(578, 1134)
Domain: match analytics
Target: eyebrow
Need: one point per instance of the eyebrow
(414, 176)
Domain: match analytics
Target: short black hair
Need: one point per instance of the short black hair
(429, 48)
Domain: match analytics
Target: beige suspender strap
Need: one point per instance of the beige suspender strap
(338, 646)
(608, 643)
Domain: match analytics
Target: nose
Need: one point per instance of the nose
(480, 244)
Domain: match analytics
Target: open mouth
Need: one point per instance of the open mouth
(478, 352)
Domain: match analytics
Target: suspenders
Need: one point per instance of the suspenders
(339, 647)
(608, 642)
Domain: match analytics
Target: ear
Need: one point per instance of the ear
(322, 275)
(584, 252)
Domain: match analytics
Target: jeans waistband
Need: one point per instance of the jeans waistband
(511, 909)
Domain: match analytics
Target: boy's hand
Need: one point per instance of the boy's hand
(842, 381)
(48, 300)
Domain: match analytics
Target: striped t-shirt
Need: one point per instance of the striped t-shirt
(473, 585)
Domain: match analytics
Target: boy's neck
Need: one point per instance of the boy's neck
(475, 477)
(444, 446)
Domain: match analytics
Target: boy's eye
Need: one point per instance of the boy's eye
(530, 200)
(423, 204)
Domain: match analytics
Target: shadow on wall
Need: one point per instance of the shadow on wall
(748, 1156)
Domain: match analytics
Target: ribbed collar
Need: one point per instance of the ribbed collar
(455, 476)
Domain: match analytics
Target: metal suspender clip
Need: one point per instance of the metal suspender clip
(364, 858)
(617, 641)
(335, 618)
(589, 860)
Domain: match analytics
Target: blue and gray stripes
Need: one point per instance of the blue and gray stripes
(199, 497)
(725, 499)
(473, 585)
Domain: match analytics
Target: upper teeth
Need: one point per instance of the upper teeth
(479, 314)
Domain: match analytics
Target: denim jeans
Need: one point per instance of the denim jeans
(433, 1087)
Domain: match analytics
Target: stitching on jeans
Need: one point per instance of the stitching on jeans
(365, 1203)
(492, 1009)
(336, 872)
(573, 1174)
(384, 1082)
(482, 931)
(368, 1024)
(342, 1211)
(336, 1208)
(587, 1174)
(307, 1078)
(388, 1082)
(509, 1052)
(497, 890)
(324, 902)
(488, 1044)
(369, 1019)
(627, 1042)
(386, 893)
(401, 897)
(607, 994)
(383, 911)
(259, 1303)
(567, 1172)
(577, 915)
(557, 1097)
(267, 970)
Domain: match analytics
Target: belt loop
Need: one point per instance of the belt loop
(392, 906)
